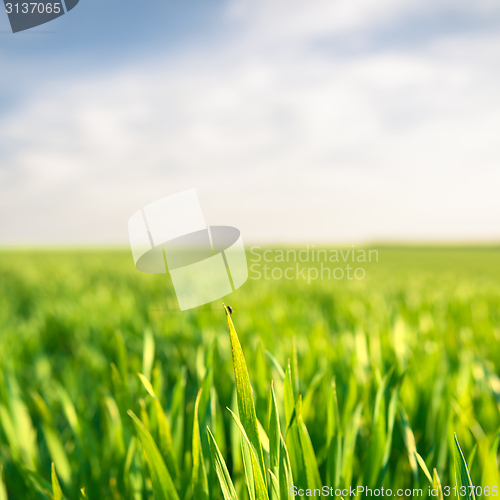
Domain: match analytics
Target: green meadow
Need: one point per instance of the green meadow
(107, 391)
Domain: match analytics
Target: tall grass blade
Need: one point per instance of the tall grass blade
(286, 475)
(375, 453)
(18, 426)
(223, 475)
(56, 487)
(3, 487)
(200, 482)
(53, 440)
(163, 485)
(310, 462)
(292, 434)
(295, 367)
(37, 483)
(275, 485)
(276, 364)
(391, 417)
(258, 477)
(177, 416)
(115, 428)
(333, 439)
(423, 466)
(121, 352)
(462, 475)
(288, 397)
(350, 437)
(409, 440)
(274, 442)
(436, 484)
(246, 455)
(246, 405)
(165, 443)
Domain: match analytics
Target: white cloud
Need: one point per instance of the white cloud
(289, 143)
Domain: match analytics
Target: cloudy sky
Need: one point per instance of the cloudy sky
(295, 120)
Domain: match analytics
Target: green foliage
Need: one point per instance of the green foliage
(332, 382)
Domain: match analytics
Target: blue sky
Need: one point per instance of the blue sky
(295, 121)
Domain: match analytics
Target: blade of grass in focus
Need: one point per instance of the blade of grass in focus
(246, 405)
(258, 477)
(223, 475)
(462, 475)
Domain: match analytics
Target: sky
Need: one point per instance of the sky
(296, 121)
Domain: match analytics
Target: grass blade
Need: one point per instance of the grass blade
(310, 462)
(423, 466)
(165, 444)
(292, 434)
(286, 476)
(200, 482)
(288, 397)
(246, 405)
(163, 485)
(274, 441)
(19, 426)
(3, 487)
(350, 437)
(37, 483)
(275, 485)
(334, 439)
(391, 417)
(462, 476)
(223, 475)
(295, 368)
(259, 480)
(436, 483)
(121, 353)
(177, 415)
(148, 353)
(375, 454)
(276, 364)
(409, 440)
(248, 467)
(56, 487)
(53, 440)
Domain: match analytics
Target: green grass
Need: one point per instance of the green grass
(332, 382)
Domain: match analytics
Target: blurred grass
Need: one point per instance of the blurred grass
(412, 353)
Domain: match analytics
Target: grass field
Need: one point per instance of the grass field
(372, 378)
